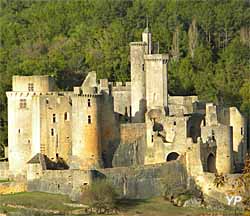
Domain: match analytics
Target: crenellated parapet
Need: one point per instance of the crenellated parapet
(157, 57)
(140, 43)
(28, 94)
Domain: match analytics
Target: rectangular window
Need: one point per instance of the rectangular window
(54, 118)
(89, 104)
(23, 104)
(241, 131)
(30, 87)
(143, 67)
(89, 119)
(66, 116)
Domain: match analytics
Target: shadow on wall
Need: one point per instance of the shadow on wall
(140, 115)
(211, 163)
(110, 130)
(194, 126)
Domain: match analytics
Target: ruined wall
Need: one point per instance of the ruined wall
(147, 181)
(194, 126)
(222, 135)
(4, 170)
(122, 99)
(206, 183)
(134, 183)
(211, 114)
(132, 146)
(239, 124)
(169, 134)
(68, 182)
(131, 132)
(183, 104)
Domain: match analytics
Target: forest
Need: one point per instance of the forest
(209, 44)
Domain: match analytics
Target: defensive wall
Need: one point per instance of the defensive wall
(4, 170)
(132, 147)
(131, 182)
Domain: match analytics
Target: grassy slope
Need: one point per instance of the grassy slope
(37, 200)
(157, 206)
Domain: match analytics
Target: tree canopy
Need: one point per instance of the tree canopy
(209, 42)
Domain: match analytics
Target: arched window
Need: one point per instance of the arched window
(52, 132)
(172, 156)
(89, 104)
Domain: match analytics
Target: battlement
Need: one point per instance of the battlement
(140, 43)
(156, 57)
(119, 84)
(116, 86)
(29, 94)
(33, 83)
(88, 95)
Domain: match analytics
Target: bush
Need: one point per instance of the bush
(100, 194)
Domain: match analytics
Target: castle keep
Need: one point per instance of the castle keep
(102, 124)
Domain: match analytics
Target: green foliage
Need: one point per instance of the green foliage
(219, 180)
(100, 194)
(66, 39)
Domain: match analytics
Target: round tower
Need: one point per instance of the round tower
(86, 134)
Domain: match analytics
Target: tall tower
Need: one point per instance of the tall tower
(86, 125)
(20, 119)
(156, 81)
(86, 122)
(138, 77)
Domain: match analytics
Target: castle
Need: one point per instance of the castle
(102, 124)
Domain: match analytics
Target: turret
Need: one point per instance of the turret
(147, 39)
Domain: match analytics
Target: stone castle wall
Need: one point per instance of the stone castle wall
(40, 83)
(131, 132)
(183, 104)
(51, 124)
(138, 83)
(68, 182)
(86, 133)
(4, 170)
(222, 134)
(19, 130)
(130, 182)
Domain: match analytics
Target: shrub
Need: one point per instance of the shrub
(219, 180)
(100, 194)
